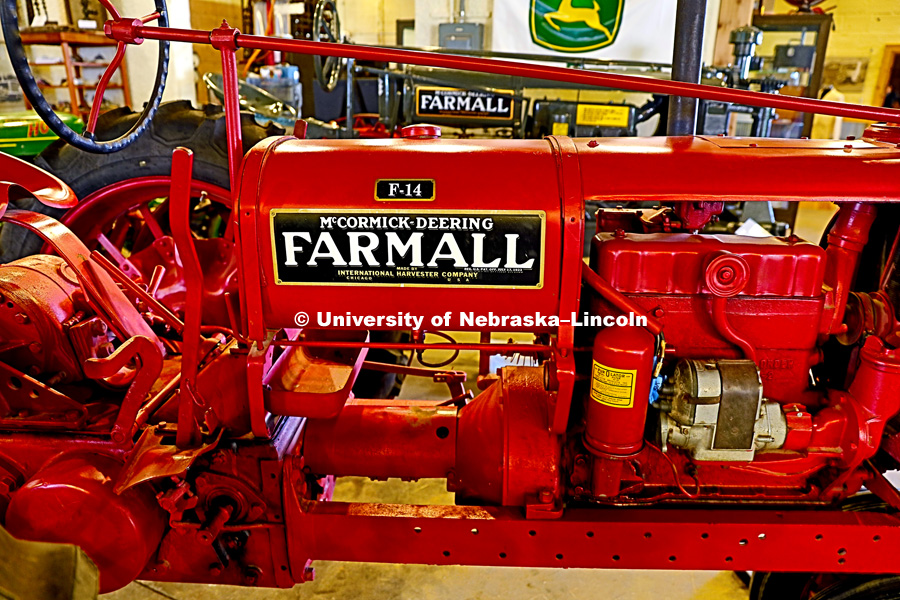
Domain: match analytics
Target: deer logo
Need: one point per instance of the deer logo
(575, 25)
(566, 13)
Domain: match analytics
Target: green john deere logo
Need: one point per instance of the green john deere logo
(575, 25)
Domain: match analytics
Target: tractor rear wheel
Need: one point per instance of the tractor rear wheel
(121, 190)
(109, 176)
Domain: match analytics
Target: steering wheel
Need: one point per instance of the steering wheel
(85, 140)
(327, 28)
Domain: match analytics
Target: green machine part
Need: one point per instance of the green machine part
(24, 134)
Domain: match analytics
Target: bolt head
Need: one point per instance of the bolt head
(99, 328)
(251, 575)
(7, 484)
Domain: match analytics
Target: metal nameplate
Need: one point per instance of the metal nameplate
(459, 103)
(399, 190)
(446, 248)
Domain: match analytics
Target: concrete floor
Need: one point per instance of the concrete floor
(340, 581)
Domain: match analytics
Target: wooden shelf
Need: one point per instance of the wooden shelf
(87, 65)
(81, 86)
(76, 38)
(68, 41)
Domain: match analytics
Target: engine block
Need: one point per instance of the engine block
(726, 297)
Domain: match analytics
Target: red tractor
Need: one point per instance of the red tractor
(176, 388)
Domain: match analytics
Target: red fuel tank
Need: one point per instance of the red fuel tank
(361, 233)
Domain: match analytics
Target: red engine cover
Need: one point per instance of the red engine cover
(402, 219)
(778, 310)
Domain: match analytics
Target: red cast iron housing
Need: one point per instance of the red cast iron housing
(179, 428)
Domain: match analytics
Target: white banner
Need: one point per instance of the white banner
(641, 30)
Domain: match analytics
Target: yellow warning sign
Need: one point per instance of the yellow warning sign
(602, 115)
(612, 387)
(560, 129)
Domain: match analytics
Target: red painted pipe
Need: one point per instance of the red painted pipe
(501, 67)
(179, 221)
(846, 240)
(379, 440)
(495, 348)
(617, 299)
(101, 87)
(720, 318)
(223, 40)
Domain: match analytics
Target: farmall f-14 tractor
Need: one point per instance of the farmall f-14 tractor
(717, 402)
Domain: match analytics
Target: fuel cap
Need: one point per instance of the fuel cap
(420, 132)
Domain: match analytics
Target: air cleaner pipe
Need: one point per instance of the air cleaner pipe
(686, 58)
(846, 241)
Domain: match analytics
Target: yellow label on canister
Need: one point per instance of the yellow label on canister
(612, 387)
(602, 115)
(560, 129)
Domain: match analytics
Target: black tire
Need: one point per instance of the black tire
(176, 124)
(860, 587)
(812, 586)
(377, 384)
(779, 586)
(795, 586)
